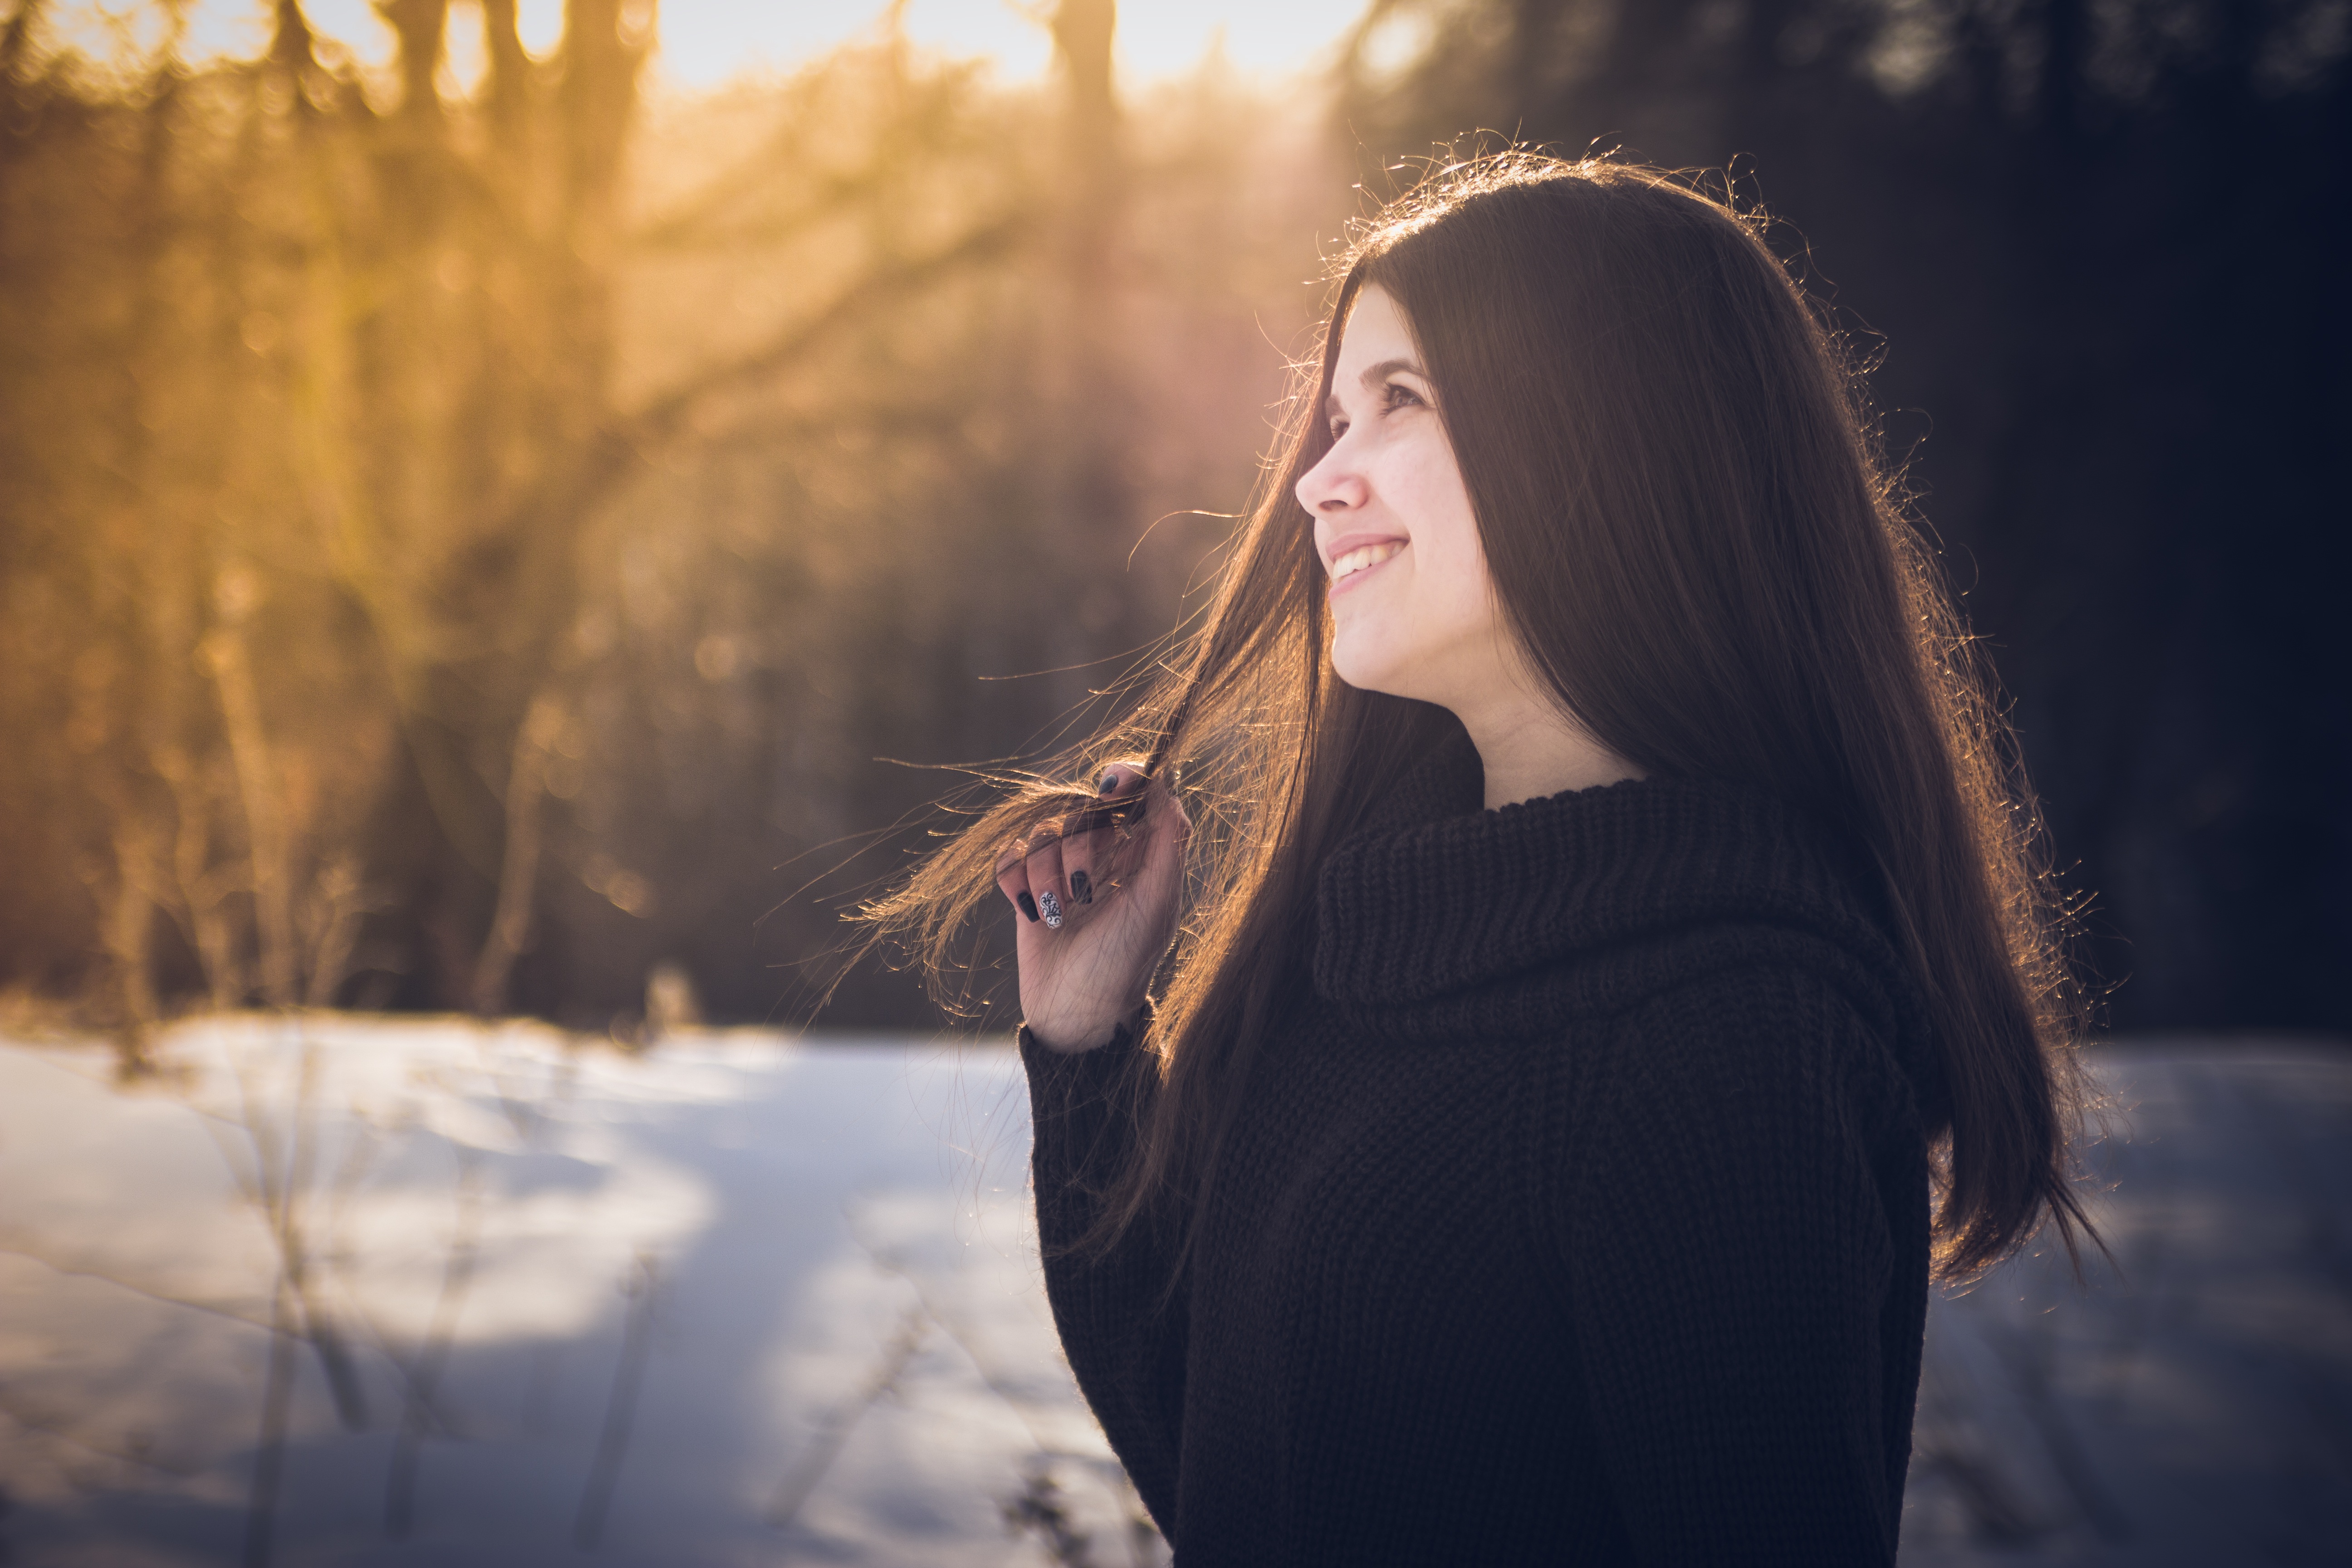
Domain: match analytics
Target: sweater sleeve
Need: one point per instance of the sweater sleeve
(1731, 1163)
(1122, 1332)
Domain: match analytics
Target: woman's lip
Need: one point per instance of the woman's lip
(1342, 585)
(1349, 543)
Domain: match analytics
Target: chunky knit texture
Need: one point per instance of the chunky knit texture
(1578, 1213)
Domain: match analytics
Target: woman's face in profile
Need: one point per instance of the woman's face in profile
(1414, 614)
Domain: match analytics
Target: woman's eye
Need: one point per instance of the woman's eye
(1339, 428)
(1401, 395)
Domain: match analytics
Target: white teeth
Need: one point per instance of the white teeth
(1363, 556)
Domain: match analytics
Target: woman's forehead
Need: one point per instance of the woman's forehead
(1373, 322)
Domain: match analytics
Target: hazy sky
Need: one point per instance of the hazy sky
(704, 42)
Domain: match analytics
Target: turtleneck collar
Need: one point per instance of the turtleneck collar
(1439, 907)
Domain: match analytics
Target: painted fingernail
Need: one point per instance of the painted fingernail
(1083, 887)
(1050, 908)
(1108, 783)
(1028, 906)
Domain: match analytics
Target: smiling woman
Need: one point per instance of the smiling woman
(1615, 973)
(1414, 614)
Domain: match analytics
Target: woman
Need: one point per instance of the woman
(1615, 972)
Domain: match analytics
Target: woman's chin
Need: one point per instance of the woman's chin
(1387, 676)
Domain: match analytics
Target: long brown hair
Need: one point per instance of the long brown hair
(1691, 528)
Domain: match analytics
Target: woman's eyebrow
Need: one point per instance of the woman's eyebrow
(1376, 374)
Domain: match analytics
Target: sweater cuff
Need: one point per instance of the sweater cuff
(1122, 1040)
(1062, 1082)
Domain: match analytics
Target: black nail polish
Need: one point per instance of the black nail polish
(1108, 783)
(1028, 907)
(1082, 887)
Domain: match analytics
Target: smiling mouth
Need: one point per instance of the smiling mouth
(1363, 558)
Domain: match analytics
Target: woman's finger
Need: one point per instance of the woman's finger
(1013, 880)
(1094, 839)
(1051, 893)
(1120, 781)
(1081, 841)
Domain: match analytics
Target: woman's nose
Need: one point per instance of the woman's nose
(1332, 485)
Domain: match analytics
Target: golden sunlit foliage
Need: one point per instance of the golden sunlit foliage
(457, 549)
(464, 541)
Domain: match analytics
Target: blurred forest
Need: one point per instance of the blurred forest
(474, 542)
(2101, 245)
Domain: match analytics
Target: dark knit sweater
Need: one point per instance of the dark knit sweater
(1577, 1215)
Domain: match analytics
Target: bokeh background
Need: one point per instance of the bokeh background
(501, 499)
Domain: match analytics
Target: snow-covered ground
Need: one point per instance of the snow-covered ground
(2193, 1405)
(749, 1298)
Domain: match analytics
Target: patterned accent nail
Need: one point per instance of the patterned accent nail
(1050, 908)
(1028, 906)
(1082, 887)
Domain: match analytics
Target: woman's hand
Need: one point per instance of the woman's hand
(1097, 908)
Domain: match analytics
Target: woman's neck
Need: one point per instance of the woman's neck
(1530, 749)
